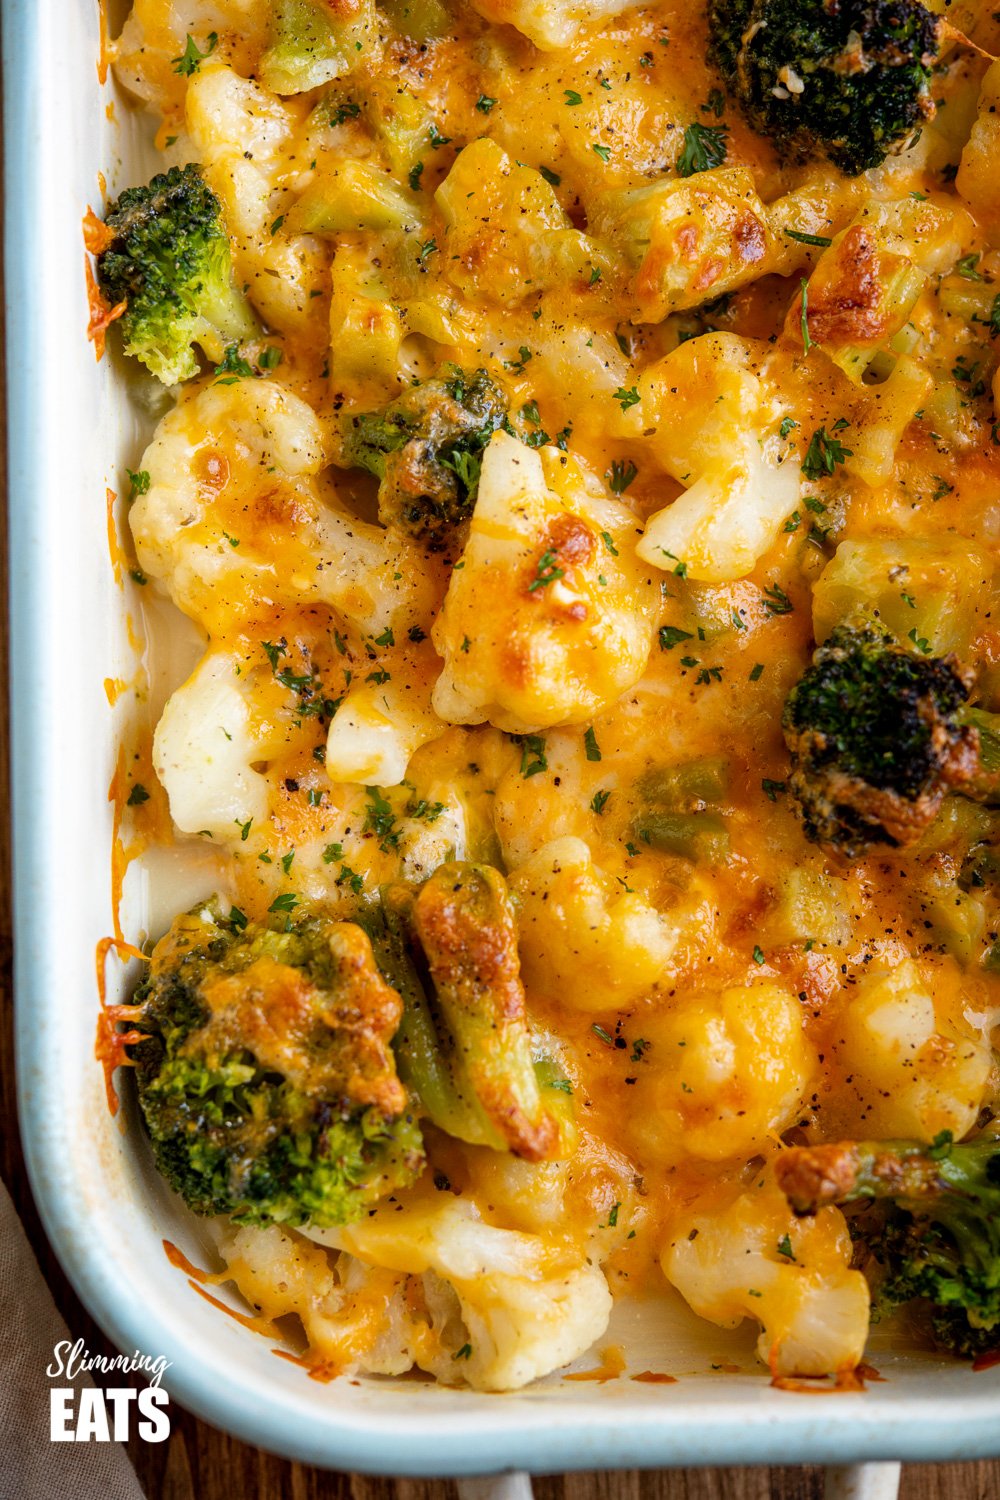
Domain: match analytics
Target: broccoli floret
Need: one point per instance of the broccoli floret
(464, 1046)
(170, 263)
(939, 1236)
(846, 79)
(265, 1074)
(878, 735)
(426, 450)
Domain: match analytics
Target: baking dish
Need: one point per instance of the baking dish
(72, 430)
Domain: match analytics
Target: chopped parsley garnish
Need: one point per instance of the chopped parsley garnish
(967, 267)
(381, 820)
(823, 454)
(776, 601)
(348, 110)
(233, 367)
(808, 239)
(547, 571)
(287, 901)
(533, 755)
(672, 635)
(623, 471)
(804, 317)
(192, 57)
(591, 746)
(704, 148)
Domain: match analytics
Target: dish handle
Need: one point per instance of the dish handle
(841, 1482)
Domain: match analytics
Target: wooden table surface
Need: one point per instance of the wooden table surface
(200, 1463)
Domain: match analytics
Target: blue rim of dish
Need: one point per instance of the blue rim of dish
(541, 1437)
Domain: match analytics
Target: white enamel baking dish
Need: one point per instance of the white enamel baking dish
(72, 430)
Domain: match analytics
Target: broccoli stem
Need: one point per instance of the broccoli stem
(986, 786)
(460, 924)
(421, 1053)
(812, 1177)
(933, 1224)
(677, 820)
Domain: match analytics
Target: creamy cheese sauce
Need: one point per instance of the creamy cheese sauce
(586, 690)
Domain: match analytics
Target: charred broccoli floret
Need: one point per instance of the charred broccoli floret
(426, 450)
(170, 263)
(265, 1075)
(939, 1239)
(846, 79)
(878, 735)
(464, 1046)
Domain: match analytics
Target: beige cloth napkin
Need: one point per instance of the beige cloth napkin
(32, 1467)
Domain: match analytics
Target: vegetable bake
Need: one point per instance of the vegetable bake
(573, 445)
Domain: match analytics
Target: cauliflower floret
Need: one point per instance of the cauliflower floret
(524, 1305)
(723, 1074)
(234, 518)
(595, 1194)
(582, 939)
(550, 23)
(717, 430)
(688, 239)
(547, 618)
(506, 234)
(977, 177)
(950, 577)
(205, 747)
(911, 1061)
(436, 1288)
(245, 140)
(376, 730)
(352, 1315)
(155, 35)
(752, 1258)
(235, 750)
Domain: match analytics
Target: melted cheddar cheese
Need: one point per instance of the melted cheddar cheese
(730, 429)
